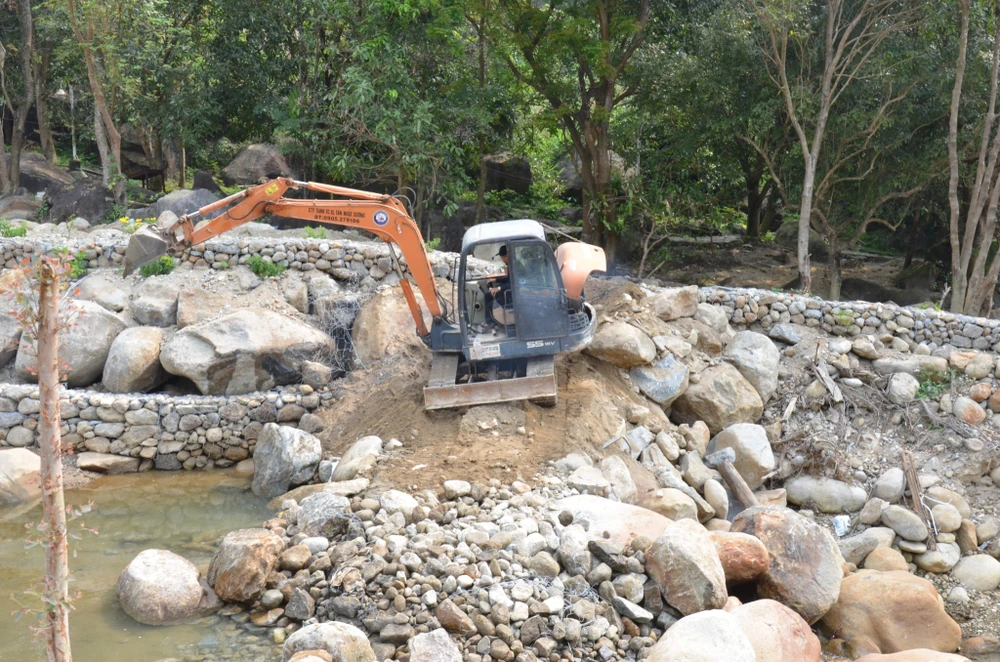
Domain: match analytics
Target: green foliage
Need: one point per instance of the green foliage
(130, 225)
(934, 384)
(7, 230)
(314, 233)
(264, 268)
(161, 266)
(79, 265)
(432, 244)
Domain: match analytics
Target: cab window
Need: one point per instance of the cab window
(532, 267)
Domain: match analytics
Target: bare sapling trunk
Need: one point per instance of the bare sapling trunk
(50, 444)
(975, 267)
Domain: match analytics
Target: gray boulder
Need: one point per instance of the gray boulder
(196, 304)
(722, 397)
(827, 494)
(323, 514)
(133, 364)
(10, 326)
(253, 349)
(902, 389)
(709, 636)
(757, 358)
(675, 302)
(155, 302)
(160, 588)
(622, 345)
(240, 566)
(179, 202)
(662, 382)
(256, 163)
(109, 293)
(107, 463)
(754, 457)
(434, 646)
(342, 641)
(84, 346)
(284, 457)
(348, 466)
(684, 563)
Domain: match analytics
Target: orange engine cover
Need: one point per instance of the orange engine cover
(576, 262)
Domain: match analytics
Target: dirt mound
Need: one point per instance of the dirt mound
(476, 443)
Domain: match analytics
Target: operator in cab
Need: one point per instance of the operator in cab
(500, 292)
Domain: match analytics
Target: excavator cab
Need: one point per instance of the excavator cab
(513, 321)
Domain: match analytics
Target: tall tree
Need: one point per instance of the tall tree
(975, 263)
(10, 164)
(814, 52)
(576, 55)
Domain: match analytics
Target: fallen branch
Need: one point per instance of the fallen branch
(916, 494)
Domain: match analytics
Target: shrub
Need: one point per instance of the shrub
(263, 268)
(8, 230)
(130, 225)
(79, 265)
(315, 233)
(432, 244)
(933, 384)
(159, 267)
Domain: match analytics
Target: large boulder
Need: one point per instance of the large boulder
(384, 326)
(19, 474)
(891, 612)
(777, 633)
(160, 588)
(663, 382)
(323, 514)
(744, 558)
(155, 302)
(110, 293)
(622, 345)
(805, 563)
(242, 563)
(38, 175)
(434, 646)
(17, 207)
(10, 325)
(284, 458)
(674, 303)
(504, 171)
(107, 463)
(684, 564)
(754, 457)
(708, 636)
(179, 202)
(256, 163)
(253, 349)
(133, 364)
(196, 304)
(722, 397)
(342, 641)
(84, 346)
(361, 452)
(980, 572)
(914, 655)
(826, 494)
(757, 358)
(620, 521)
(85, 197)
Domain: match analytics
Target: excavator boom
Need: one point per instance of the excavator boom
(382, 215)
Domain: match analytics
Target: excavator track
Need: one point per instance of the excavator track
(454, 383)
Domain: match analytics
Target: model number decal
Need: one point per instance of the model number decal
(535, 344)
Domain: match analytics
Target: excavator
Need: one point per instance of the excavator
(496, 343)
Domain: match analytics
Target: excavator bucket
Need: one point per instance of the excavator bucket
(145, 246)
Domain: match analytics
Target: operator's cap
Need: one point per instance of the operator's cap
(502, 251)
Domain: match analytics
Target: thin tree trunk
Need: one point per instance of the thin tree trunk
(102, 147)
(50, 446)
(755, 200)
(183, 177)
(42, 105)
(836, 277)
(805, 212)
(28, 83)
(481, 191)
(958, 276)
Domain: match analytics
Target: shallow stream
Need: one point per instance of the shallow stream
(185, 512)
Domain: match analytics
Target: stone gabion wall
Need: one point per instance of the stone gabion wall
(912, 326)
(343, 260)
(162, 431)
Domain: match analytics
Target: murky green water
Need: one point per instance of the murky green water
(184, 512)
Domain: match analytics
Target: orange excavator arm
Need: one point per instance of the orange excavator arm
(382, 215)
